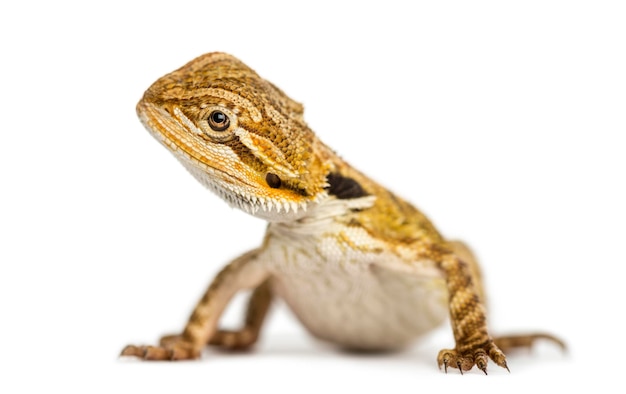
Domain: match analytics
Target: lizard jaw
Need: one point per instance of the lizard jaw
(237, 192)
(247, 200)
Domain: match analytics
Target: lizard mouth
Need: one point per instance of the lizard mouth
(181, 137)
(237, 187)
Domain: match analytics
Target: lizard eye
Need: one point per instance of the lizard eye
(218, 121)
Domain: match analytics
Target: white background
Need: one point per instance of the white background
(503, 121)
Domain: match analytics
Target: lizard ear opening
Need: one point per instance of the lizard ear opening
(273, 180)
(344, 187)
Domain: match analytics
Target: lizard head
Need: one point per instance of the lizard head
(239, 135)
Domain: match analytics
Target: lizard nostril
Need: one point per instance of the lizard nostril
(273, 180)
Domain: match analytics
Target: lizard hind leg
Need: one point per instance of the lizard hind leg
(258, 306)
(526, 341)
(243, 339)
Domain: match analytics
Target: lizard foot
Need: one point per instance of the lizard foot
(509, 342)
(234, 340)
(172, 348)
(223, 339)
(478, 355)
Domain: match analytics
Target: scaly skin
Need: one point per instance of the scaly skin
(359, 266)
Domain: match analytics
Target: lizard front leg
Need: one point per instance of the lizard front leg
(242, 273)
(468, 316)
(505, 343)
(473, 344)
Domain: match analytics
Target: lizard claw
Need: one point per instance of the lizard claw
(444, 359)
(479, 357)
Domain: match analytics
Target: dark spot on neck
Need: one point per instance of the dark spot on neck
(344, 187)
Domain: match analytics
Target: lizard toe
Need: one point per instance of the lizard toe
(477, 356)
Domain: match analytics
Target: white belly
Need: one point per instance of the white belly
(348, 298)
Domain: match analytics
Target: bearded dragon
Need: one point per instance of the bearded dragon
(359, 266)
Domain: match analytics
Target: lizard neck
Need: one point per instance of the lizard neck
(354, 200)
